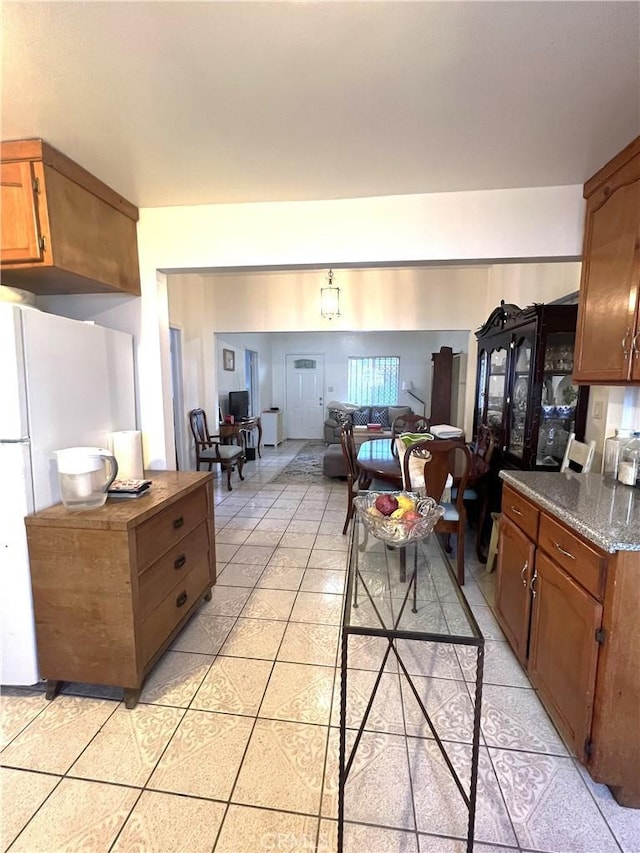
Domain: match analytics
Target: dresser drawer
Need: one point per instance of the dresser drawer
(155, 536)
(582, 562)
(156, 582)
(157, 627)
(523, 514)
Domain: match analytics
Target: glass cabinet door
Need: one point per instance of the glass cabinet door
(496, 387)
(481, 387)
(559, 398)
(520, 396)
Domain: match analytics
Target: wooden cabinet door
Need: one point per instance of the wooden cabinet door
(516, 555)
(607, 315)
(20, 225)
(564, 650)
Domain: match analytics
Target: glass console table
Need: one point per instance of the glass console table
(401, 595)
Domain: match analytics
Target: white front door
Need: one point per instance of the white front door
(305, 390)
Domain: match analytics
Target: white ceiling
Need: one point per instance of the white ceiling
(203, 102)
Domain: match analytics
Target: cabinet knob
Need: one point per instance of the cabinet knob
(182, 598)
(522, 573)
(178, 522)
(179, 562)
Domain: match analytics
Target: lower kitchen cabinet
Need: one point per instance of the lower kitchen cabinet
(564, 649)
(113, 586)
(513, 600)
(570, 613)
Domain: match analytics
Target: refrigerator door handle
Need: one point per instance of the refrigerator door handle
(15, 441)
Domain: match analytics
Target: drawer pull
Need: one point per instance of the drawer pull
(179, 563)
(524, 569)
(562, 551)
(178, 522)
(182, 598)
(515, 510)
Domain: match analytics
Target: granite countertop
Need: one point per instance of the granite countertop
(603, 511)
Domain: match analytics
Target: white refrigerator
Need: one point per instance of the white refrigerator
(63, 383)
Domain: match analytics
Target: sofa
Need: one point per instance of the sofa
(338, 413)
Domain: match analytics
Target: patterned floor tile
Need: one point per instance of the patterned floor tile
(378, 790)
(175, 679)
(549, 804)
(358, 838)
(269, 604)
(283, 767)
(623, 822)
(308, 643)
(440, 808)
(233, 686)
(514, 719)
(323, 580)
(160, 823)
(78, 815)
(251, 830)
(448, 704)
(385, 714)
(128, 745)
(299, 693)
(56, 737)
(203, 633)
(281, 577)
(500, 665)
(239, 574)
(254, 638)
(292, 557)
(226, 601)
(23, 792)
(18, 707)
(322, 608)
(204, 755)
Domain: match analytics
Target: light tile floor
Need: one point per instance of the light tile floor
(233, 746)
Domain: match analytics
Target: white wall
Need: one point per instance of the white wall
(535, 223)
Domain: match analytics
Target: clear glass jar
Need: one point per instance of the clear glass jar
(612, 455)
(629, 466)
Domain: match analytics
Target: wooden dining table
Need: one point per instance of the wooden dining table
(377, 461)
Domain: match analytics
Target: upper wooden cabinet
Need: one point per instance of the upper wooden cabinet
(608, 334)
(63, 230)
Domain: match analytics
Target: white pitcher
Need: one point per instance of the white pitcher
(85, 475)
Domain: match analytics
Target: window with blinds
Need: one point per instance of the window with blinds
(373, 380)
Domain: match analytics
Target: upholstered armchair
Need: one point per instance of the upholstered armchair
(210, 450)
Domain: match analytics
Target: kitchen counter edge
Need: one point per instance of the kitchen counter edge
(604, 512)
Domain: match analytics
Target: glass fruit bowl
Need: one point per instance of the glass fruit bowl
(399, 531)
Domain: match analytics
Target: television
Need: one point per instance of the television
(239, 404)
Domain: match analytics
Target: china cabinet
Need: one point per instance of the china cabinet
(524, 388)
(608, 339)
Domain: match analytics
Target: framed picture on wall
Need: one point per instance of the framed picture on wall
(228, 359)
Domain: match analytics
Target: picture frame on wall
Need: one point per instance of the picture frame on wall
(228, 359)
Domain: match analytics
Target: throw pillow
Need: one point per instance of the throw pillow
(361, 417)
(339, 416)
(380, 416)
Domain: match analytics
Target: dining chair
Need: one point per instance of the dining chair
(579, 453)
(211, 451)
(477, 491)
(447, 458)
(407, 423)
(354, 488)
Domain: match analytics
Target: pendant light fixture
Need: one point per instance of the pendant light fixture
(330, 299)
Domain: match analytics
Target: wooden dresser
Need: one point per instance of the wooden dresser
(113, 586)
